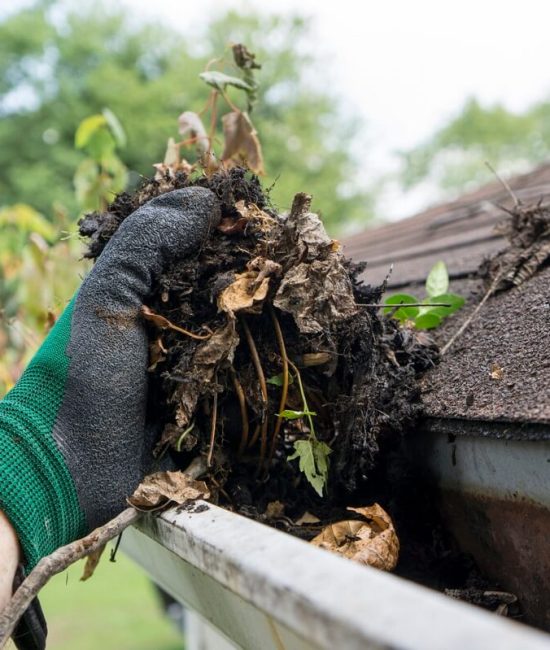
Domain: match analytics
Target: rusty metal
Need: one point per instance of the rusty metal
(494, 494)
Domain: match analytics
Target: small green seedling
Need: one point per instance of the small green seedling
(312, 453)
(426, 317)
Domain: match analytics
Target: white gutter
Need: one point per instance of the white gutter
(265, 590)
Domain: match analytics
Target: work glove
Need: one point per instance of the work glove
(75, 439)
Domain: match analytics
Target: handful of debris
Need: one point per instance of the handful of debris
(267, 355)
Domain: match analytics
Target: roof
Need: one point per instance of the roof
(498, 371)
(460, 232)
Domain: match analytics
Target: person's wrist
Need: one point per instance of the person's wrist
(9, 559)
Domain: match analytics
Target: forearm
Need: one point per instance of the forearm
(9, 559)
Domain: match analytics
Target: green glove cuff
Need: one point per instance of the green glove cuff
(37, 492)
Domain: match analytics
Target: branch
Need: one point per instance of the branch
(57, 562)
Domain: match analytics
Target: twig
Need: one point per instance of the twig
(263, 386)
(284, 390)
(57, 562)
(471, 317)
(504, 183)
(242, 404)
(213, 429)
(163, 323)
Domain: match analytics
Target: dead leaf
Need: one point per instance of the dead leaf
(306, 519)
(317, 295)
(157, 353)
(241, 144)
(199, 374)
(172, 163)
(191, 123)
(92, 560)
(373, 542)
(163, 489)
(249, 289)
(497, 372)
(231, 226)
(275, 509)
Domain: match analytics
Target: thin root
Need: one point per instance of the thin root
(284, 390)
(244, 414)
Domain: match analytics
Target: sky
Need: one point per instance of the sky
(405, 66)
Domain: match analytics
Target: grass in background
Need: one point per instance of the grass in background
(117, 609)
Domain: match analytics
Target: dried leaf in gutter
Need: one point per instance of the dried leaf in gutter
(371, 541)
(191, 123)
(241, 142)
(164, 489)
(250, 288)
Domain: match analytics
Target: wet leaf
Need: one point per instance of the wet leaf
(437, 281)
(371, 541)
(164, 489)
(241, 146)
(230, 226)
(313, 461)
(92, 560)
(220, 81)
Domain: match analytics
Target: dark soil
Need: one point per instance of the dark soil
(358, 368)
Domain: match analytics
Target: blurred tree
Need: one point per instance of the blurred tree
(454, 156)
(58, 65)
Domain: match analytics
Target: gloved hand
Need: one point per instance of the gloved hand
(74, 434)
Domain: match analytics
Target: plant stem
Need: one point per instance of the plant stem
(244, 415)
(284, 391)
(304, 400)
(213, 429)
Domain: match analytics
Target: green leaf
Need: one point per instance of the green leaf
(115, 126)
(405, 313)
(437, 281)
(314, 463)
(294, 415)
(277, 380)
(87, 128)
(427, 321)
(454, 300)
(220, 81)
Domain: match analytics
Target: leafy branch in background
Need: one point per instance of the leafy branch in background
(102, 175)
(241, 145)
(426, 317)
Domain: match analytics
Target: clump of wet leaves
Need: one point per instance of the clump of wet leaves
(261, 358)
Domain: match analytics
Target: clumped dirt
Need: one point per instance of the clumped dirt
(358, 369)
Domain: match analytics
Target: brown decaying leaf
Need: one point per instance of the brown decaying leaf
(172, 162)
(206, 359)
(241, 144)
(497, 373)
(275, 509)
(164, 489)
(307, 519)
(190, 122)
(373, 542)
(92, 560)
(249, 289)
